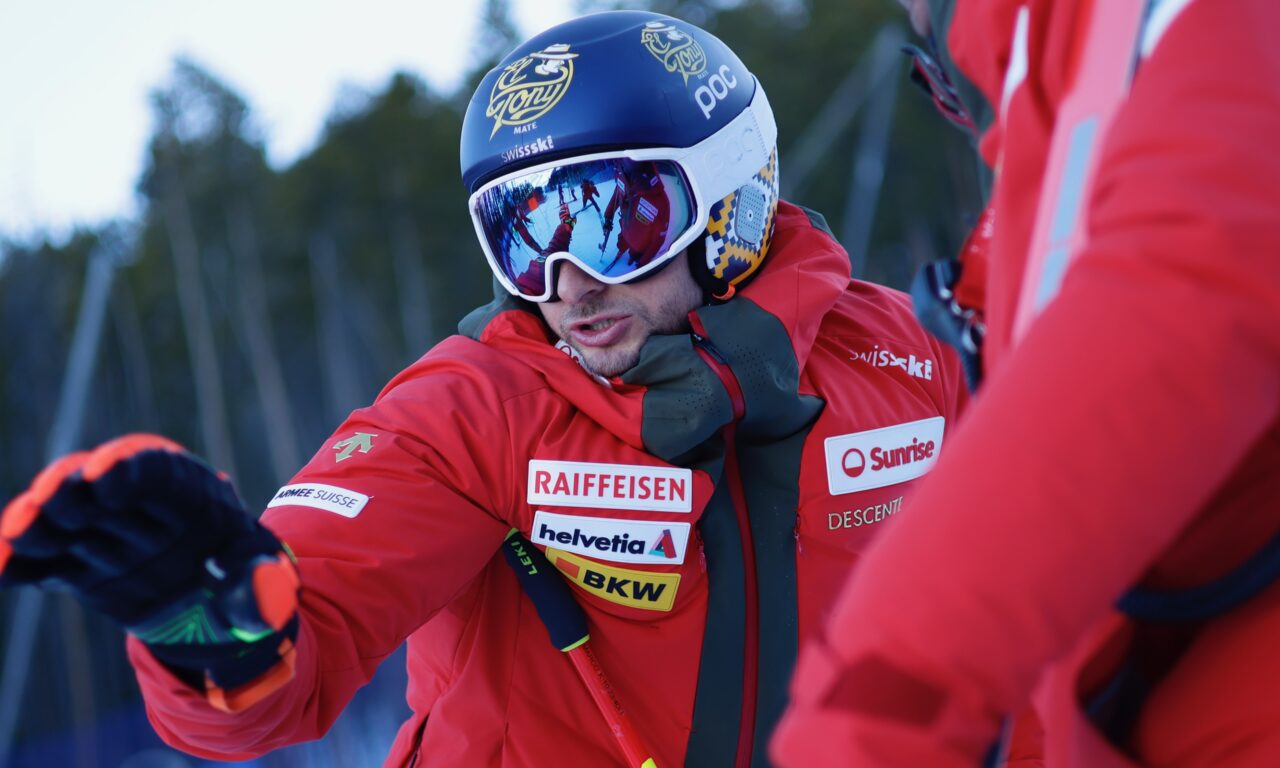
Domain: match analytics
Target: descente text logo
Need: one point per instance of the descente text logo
(610, 486)
(880, 457)
(622, 541)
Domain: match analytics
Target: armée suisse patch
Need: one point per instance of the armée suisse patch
(610, 486)
(330, 498)
(645, 590)
(879, 457)
(623, 541)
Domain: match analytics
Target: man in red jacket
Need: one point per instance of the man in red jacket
(1101, 536)
(702, 441)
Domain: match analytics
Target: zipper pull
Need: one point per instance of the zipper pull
(796, 533)
(705, 344)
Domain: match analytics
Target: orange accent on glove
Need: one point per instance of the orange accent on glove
(240, 699)
(22, 511)
(111, 453)
(275, 585)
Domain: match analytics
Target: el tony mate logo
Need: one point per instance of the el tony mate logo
(530, 86)
(677, 50)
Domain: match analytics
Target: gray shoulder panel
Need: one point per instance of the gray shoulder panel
(473, 324)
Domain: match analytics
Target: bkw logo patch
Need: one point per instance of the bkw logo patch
(646, 590)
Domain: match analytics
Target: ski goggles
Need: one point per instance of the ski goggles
(615, 218)
(618, 216)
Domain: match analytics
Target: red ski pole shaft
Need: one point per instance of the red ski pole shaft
(598, 685)
(567, 625)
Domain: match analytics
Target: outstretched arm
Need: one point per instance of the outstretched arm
(387, 529)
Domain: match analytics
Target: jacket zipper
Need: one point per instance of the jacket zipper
(417, 744)
(751, 638)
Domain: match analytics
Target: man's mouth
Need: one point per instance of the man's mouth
(599, 330)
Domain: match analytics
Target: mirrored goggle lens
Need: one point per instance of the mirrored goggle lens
(616, 218)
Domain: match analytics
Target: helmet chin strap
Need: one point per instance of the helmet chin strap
(714, 290)
(697, 252)
(728, 294)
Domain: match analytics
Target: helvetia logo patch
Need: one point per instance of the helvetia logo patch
(645, 590)
(622, 541)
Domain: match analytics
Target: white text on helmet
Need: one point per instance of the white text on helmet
(717, 87)
(545, 144)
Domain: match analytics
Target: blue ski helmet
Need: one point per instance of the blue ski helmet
(632, 95)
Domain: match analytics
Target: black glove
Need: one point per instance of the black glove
(149, 535)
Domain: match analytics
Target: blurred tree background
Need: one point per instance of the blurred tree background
(253, 307)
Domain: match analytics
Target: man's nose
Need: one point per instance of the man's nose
(573, 285)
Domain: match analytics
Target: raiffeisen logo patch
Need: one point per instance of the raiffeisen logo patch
(880, 457)
(622, 541)
(636, 589)
(610, 486)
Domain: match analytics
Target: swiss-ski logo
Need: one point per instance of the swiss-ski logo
(916, 367)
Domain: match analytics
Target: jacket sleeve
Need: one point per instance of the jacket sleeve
(1129, 402)
(437, 477)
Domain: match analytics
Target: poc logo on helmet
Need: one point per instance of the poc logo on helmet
(715, 90)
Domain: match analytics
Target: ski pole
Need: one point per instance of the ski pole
(567, 625)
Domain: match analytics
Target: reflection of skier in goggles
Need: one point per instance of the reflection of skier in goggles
(589, 195)
(520, 223)
(640, 199)
(533, 275)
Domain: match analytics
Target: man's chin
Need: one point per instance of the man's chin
(609, 362)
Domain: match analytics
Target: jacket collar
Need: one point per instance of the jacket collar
(671, 402)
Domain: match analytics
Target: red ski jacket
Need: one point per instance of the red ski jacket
(1131, 437)
(701, 563)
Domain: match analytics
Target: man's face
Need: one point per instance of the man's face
(608, 324)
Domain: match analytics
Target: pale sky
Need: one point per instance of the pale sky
(75, 74)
